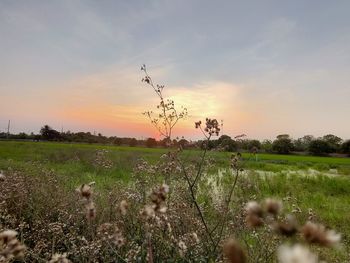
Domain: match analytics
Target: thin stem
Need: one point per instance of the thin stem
(228, 201)
(201, 163)
(194, 200)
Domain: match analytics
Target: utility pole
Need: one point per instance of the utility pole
(8, 129)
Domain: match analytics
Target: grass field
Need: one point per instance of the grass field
(310, 194)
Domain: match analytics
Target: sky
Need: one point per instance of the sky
(263, 67)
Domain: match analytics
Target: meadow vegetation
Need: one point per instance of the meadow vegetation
(40, 179)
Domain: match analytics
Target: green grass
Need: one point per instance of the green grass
(74, 162)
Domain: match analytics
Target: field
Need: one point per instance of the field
(316, 188)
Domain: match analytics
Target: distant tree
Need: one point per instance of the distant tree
(117, 141)
(229, 145)
(183, 143)
(132, 142)
(283, 144)
(345, 147)
(302, 144)
(49, 134)
(266, 145)
(151, 142)
(320, 147)
(173, 142)
(22, 136)
(223, 138)
(212, 144)
(283, 136)
(254, 144)
(165, 142)
(334, 141)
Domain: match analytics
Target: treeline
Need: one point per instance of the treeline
(283, 144)
(49, 134)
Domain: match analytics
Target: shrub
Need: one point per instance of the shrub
(320, 147)
(151, 142)
(282, 145)
(345, 147)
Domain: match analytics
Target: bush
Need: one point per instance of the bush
(282, 145)
(151, 142)
(345, 147)
(320, 147)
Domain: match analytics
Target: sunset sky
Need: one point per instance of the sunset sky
(264, 67)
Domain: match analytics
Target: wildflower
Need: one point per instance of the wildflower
(212, 126)
(2, 176)
(287, 228)
(158, 198)
(195, 237)
(169, 228)
(235, 161)
(10, 247)
(182, 248)
(85, 190)
(148, 211)
(59, 258)
(233, 252)
(165, 188)
(123, 207)
(316, 233)
(295, 254)
(90, 211)
(118, 238)
(255, 213)
(273, 206)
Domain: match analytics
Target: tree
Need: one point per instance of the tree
(49, 134)
(320, 147)
(151, 142)
(254, 144)
(302, 144)
(266, 145)
(334, 141)
(283, 136)
(283, 144)
(183, 143)
(132, 142)
(117, 141)
(229, 145)
(345, 147)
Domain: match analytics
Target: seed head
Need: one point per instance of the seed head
(2, 176)
(195, 237)
(316, 233)
(287, 228)
(233, 252)
(123, 207)
(182, 248)
(272, 206)
(90, 211)
(10, 246)
(295, 254)
(255, 214)
(59, 258)
(85, 191)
